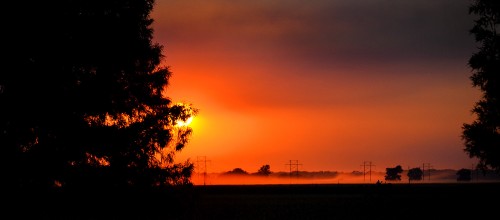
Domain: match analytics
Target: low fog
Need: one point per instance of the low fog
(332, 177)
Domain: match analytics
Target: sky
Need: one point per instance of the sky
(328, 83)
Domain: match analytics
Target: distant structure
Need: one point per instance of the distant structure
(368, 164)
(201, 166)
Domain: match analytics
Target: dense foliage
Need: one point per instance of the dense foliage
(264, 170)
(415, 174)
(464, 174)
(83, 98)
(393, 173)
(482, 136)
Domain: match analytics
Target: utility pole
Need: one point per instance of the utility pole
(428, 166)
(201, 165)
(294, 167)
(407, 172)
(474, 170)
(368, 164)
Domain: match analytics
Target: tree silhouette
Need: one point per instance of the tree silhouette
(237, 171)
(464, 175)
(264, 170)
(482, 137)
(415, 174)
(83, 98)
(393, 173)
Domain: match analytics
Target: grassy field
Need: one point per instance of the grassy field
(311, 201)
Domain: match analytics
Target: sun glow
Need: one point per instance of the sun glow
(181, 123)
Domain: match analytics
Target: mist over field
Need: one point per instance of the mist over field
(333, 177)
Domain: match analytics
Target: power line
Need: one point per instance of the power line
(474, 170)
(429, 167)
(294, 167)
(201, 165)
(368, 164)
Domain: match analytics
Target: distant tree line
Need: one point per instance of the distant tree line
(416, 174)
(392, 174)
(264, 170)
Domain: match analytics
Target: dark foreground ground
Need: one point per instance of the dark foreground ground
(333, 201)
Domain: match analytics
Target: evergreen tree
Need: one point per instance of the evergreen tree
(82, 98)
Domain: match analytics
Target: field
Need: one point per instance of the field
(300, 201)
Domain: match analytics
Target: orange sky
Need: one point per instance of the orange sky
(328, 83)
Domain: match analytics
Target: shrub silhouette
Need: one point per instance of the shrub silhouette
(464, 175)
(394, 173)
(265, 170)
(415, 174)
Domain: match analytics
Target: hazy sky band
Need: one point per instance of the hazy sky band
(329, 31)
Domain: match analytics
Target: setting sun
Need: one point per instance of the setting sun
(181, 123)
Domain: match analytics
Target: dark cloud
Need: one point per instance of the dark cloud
(389, 30)
(331, 31)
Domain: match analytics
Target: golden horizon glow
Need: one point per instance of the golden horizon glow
(279, 82)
